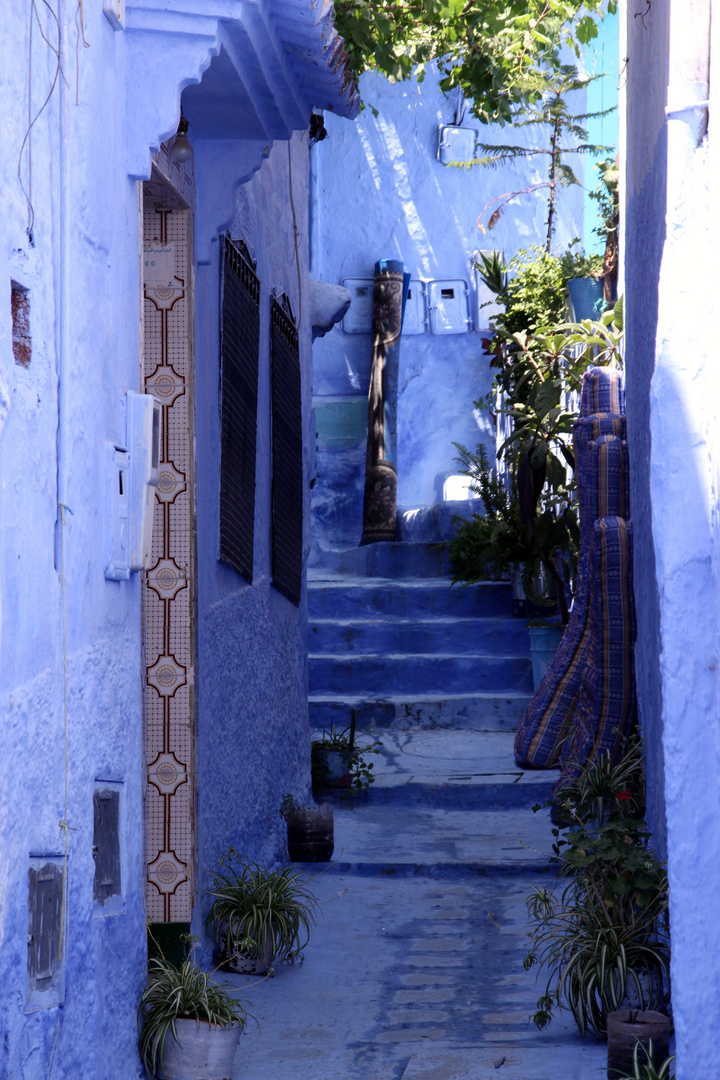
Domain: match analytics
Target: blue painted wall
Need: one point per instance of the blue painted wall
(90, 146)
(643, 237)
(379, 192)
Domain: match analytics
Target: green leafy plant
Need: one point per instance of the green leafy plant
(351, 752)
(648, 1070)
(259, 913)
(492, 51)
(607, 932)
(180, 993)
(607, 197)
(545, 108)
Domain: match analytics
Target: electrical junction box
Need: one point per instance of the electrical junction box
(358, 319)
(415, 318)
(132, 473)
(144, 421)
(117, 483)
(115, 12)
(485, 306)
(448, 307)
(456, 145)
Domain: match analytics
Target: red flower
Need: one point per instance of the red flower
(624, 796)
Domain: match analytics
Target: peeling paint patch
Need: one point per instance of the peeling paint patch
(21, 341)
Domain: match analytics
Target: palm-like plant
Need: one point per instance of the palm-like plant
(180, 993)
(594, 959)
(259, 913)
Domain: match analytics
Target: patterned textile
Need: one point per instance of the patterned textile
(606, 706)
(547, 729)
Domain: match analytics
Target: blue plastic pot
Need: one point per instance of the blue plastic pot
(586, 297)
(544, 641)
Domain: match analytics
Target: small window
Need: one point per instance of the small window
(45, 945)
(21, 343)
(447, 294)
(107, 883)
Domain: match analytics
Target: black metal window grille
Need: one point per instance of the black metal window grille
(287, 463)
(239, 344)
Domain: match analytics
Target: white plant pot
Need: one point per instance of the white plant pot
(201, 1053)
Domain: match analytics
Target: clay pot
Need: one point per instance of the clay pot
(338, 770)
(202, 1052)
(628, 1027)
(311, 834)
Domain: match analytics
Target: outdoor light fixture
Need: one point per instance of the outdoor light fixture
(181, 149)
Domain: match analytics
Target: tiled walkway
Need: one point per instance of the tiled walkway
(415, 968)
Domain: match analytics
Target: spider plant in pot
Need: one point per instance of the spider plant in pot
(338, 761)
(637, 1040)
(189, 1026)
(310, 830)
(642, 1069)
(258, 916)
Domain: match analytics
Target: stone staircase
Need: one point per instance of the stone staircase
(390, 638)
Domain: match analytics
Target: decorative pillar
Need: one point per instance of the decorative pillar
(380, 502)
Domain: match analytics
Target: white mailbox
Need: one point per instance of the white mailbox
(448, 307)
(485, 306)
(415, 319)
(456, 145)
(132, 473)
(358, 319)
(117, 484)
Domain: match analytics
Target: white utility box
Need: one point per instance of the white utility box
(117, 484)
(358, 319)
(115, 11)
(415, 319)
(132, 473)
(456, 145)
(485, 306)
(448, 307)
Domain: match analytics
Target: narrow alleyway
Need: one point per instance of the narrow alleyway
(415, 968)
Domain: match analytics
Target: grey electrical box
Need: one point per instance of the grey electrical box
(358, 319)
(107, 883)
(415, 319)
(456, 145)
(448, 307)
(45, 961)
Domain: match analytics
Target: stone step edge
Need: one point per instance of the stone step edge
(417, 620)
(347, 657)
(357, 581)
(393, 868)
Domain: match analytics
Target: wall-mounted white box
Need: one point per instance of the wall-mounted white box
(115, 12)
(485, 306)
(358, 319)
(456, 145)
(415, 319)
(448, 306)
(131, 476)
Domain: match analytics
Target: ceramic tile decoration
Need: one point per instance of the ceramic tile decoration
(169, 583)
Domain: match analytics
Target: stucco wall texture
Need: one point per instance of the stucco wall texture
(379, 192)
(83, 275)
(643, 233)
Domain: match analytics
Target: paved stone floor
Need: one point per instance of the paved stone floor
(414, 971)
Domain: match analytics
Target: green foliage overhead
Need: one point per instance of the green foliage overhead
(491, 49)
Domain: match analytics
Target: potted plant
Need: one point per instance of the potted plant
(338, 761)
(310, 830)
(604, 940)
(258, 916)
(583, 279)
(636, 1038)
(189, 1025)
(648, 1070)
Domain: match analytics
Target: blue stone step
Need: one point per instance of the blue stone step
(438, 673)
(420, 712)
(356, 598)
(388, 561)
(493, 636)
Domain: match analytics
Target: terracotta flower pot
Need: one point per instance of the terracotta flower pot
(628, 1027)
(202, 1052)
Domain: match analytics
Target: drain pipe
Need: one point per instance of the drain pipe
(63, 302)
